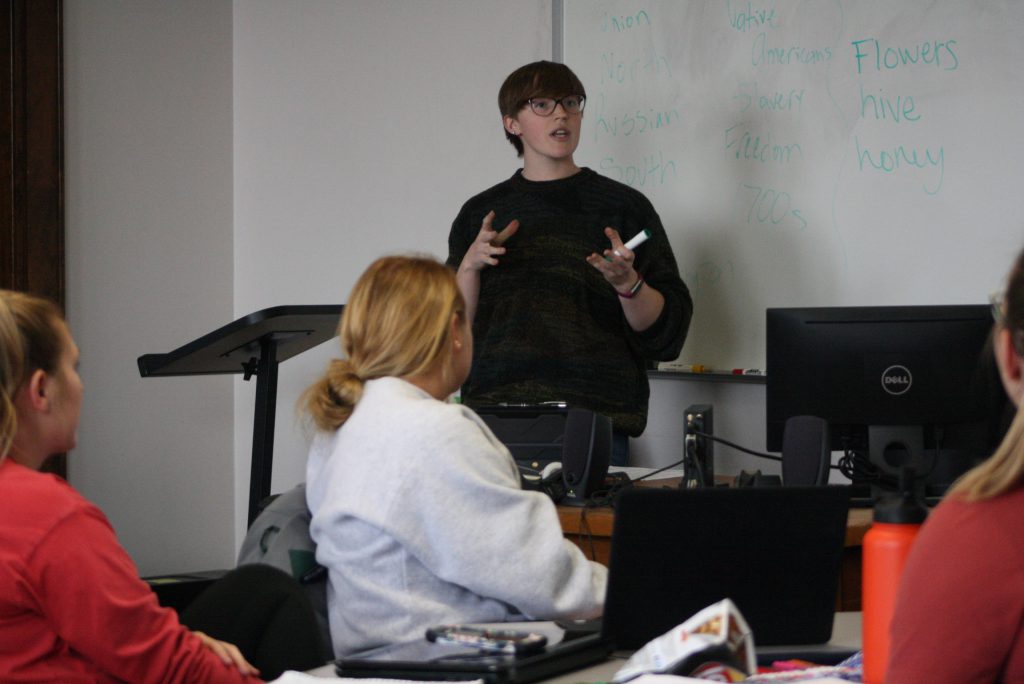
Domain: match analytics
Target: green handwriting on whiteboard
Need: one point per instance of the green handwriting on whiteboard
(708, 275)
(771, 207)
(871, 54)
(750, 95)
(764, 53)
(652, 170)
(615, 70)
(903, 158)
(759, 147)
(884, 107)
(746, 17)
(633, 122)
(620, 23)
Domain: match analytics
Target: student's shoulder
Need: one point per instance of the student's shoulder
(974, 528)
(451, 416)
(394, 399)
(454, 428)
(32, 484)
(42, 499)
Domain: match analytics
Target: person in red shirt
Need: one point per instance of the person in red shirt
(959, 614)
(72, 606)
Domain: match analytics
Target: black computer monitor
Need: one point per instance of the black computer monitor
(899, 385)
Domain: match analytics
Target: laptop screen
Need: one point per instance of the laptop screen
(775, 551)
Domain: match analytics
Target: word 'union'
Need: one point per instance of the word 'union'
(620, 23)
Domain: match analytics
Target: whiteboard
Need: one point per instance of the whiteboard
(811, 153)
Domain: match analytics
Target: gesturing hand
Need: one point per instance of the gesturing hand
(488, 244)
(616, 264)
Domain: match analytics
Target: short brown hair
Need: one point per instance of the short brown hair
(539, 79)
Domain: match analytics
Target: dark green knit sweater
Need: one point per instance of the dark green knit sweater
(548, 326)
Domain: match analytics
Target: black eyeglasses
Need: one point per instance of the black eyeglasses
(545, 106)
(997, 300)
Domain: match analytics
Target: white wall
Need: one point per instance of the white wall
(148, 180)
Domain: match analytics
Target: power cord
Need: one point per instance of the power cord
(855, 466)
(692, 470)
(745, 450)
(660, 470)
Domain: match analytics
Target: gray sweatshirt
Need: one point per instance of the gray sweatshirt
(420, 520)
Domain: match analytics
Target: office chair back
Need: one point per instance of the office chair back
(279, 537)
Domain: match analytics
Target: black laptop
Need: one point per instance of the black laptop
(423, 660)
(775, 551)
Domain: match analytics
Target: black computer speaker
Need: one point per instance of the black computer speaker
(806, 453)
(586, 453)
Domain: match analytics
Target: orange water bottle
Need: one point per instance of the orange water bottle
(897, 520)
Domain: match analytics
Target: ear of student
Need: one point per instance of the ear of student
(37, 390)
(511, 125)
(456, 331)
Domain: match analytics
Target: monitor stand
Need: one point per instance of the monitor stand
(893, 447)
(252, 345)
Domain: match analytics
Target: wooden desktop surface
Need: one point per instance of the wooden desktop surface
(590, 528)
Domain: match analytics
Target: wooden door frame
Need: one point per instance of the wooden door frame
(32, 153)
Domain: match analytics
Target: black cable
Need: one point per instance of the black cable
(655, 472)
(726, 442)
(855, 465)
(584, 526)
(691, 464)
(857, 468)
(681, 461)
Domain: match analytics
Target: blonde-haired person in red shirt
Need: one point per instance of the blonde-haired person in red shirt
(72, 606)
(959, 613)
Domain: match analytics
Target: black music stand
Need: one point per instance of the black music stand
(252, 345)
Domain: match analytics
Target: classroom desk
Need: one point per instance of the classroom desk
(591, 530)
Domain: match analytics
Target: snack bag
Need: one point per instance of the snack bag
(717, 634)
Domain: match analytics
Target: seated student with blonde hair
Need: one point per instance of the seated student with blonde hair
(72, 606)
(959, 614)
(418, 513)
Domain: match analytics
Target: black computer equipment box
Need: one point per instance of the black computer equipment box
(579, 439)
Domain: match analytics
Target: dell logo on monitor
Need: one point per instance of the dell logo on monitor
(896, 380)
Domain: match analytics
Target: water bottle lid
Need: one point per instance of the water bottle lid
(902, 509)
